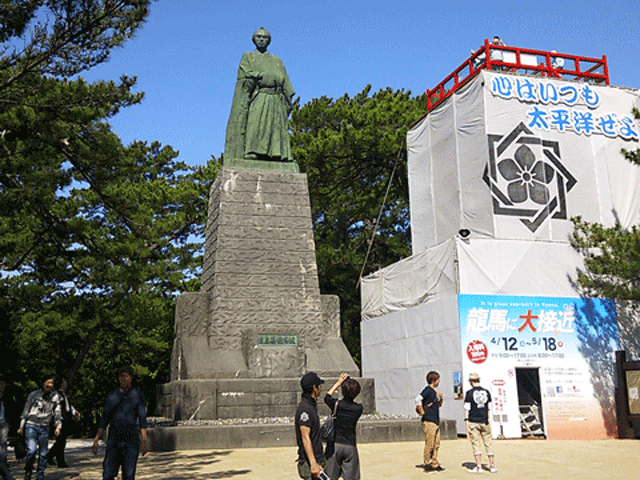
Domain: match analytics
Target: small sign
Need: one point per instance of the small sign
(457, 386)
(499, 394)
(277, 340)
(633, 388)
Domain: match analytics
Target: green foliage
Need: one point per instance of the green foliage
(611, 255)
(633, 155)
(96, 238)
(612, 260)
(348, 148)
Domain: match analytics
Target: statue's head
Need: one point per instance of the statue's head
(261, 38)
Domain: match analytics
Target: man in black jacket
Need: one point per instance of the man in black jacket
(69, 414)
(124, 410)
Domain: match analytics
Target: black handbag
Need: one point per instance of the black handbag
(328, 429)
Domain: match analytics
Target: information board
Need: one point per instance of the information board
(571, 341)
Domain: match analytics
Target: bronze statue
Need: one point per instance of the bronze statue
(258, 124)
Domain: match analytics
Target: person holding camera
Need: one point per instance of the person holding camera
(345, 461)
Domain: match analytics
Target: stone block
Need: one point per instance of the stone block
(272, 279)
(163, 401)
(274, 212)
(194, 399)
(276, 399)
(302, 297)
(251, 304)
(295, 245)
(235, 399)
(332, 359)
(241, 163)
(237, 385)
(291, 268)
(276, 362)
(330, 307)
(254, 221)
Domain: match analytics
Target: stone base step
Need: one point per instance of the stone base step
(166, 439)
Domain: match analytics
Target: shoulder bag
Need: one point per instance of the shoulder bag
(328, 429)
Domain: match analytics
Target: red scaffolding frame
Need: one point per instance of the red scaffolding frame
(520, 60)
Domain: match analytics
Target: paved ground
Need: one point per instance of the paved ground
(516, 459)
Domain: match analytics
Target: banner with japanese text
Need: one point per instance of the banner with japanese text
(554, 153)
(569, 342)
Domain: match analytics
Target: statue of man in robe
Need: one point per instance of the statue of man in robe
(258, 127)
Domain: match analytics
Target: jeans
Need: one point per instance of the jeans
(5, 471)
(120, 452)
(37, 437)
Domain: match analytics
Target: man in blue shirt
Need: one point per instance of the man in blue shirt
(428, 405)
(124, 410)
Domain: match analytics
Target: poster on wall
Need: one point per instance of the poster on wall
(549, 362)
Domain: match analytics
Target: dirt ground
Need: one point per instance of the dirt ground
(517, 459)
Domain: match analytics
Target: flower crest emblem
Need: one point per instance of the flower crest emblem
(528, 177)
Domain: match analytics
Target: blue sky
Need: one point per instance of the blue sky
(187, 54)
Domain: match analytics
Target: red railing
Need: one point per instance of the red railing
(520, 60)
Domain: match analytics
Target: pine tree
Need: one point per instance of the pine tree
(611, 255)
(96, 237)
(353, 150)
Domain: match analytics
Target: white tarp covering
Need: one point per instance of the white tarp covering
(399, 348)
(516, 157)
(409, 282)
(516, 267)
(485, 266)
(410, 317)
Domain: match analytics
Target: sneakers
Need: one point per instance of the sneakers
(476, 469)
(429, 468)
(493, 470)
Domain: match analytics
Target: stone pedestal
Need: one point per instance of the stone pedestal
(260, 314)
